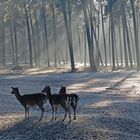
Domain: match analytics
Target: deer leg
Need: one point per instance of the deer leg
(66, 109)
(53, 112)
(25, 112)
(65, 115)
(42, 109)
(74, 105)
(74, 118)
(28, 112)
(69, 113)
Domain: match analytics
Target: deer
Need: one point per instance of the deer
(73, 99)
(57, 100)
(26, 100)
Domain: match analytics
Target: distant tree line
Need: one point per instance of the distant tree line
(46, 33)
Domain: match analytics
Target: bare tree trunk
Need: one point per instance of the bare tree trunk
(33, 39)
(90, 45)
(29, 36)
(135, 34)
(124, 34)
(85, 47)
(37, 40)
(45, 30)
(133, 44)
(121, 50)
(54, 34)
(109, 41)
(3, 44)
(12, 44)
(104, 39)
(115, 47)
(16, 47)
(112, 41)
(69, 36)
(98, 57)
(79, 44)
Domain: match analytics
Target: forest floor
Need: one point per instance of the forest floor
(108, 109)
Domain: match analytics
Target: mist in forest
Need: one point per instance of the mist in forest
(98, 34)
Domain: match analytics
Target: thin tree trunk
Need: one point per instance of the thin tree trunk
(79, 44)
(69, 36)
(112, 41)
(90, 45)
(16, 47)
(3, 44)
(45, 31)
(12, 45)
(135, 34)
(54, 34)
(121, 50)
(109, 41)
(124, 34)
(29, 36)
(33, 40)
(104, 39)
(132, 40)
(37, 40)
(85, 47)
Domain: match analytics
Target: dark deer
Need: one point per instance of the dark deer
(55, 100)
(73, 99)
(27, 100)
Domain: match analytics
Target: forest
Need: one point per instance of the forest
(97, 34)
(69, 70)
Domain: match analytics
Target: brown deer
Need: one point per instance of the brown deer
(55, 100)
(27, 100)
(73, 99)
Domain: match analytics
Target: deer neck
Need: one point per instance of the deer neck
(18, 96)
(49, 95)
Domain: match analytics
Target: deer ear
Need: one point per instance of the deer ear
(12, 87)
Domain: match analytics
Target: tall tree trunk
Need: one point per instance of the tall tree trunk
(29, 36)
(37, 39)
(90, 45)
(98, 57)
(120, 44)
(33, 39)
(3, 44)
(45, 31)
(124, 34)
(127, 33)
(79, 44)
(69, 35)
(54, 34)
(132, 40)
(85, 47)
(12, 45)
(16, 47)
(104, 39)
(129, 47)
(115, 47)
(135, 34)
(112, 41)
(109, 41)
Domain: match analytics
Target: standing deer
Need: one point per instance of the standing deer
(55, 100)
(73, 99)
(27, 100)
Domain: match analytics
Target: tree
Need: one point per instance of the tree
(135, 34)
(89, 38)
(67, 21)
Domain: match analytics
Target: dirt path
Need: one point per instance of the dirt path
(105, 111)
